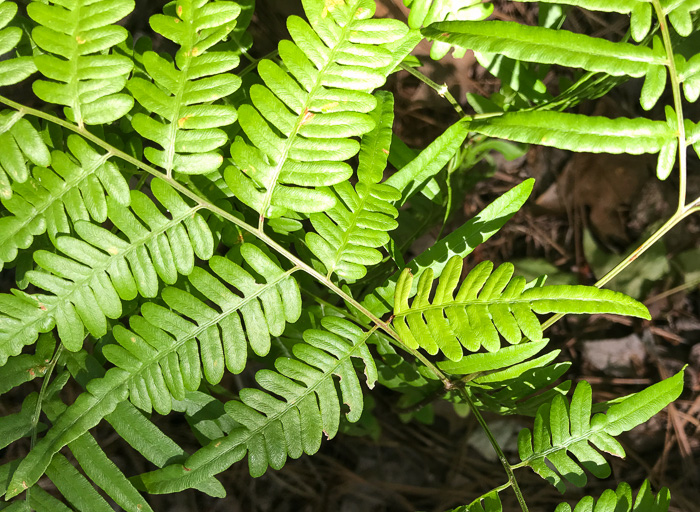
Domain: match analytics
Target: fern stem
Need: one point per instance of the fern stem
(678, 104)
(442, 90)
(512, 481)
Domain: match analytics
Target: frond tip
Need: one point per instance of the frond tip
(490, 302)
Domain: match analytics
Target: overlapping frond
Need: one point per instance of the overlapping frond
(77, 37)
(300, 404)
(300, 123)
(166, 350)
(187, 125)
(561, 429)
(90, 276)
(348, 234)
(621, 500)
(489, 302)
(13, 69)
(22, 144)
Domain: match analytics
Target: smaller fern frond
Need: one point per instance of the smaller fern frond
(22, 144)
(300, 403)
(51, 199)
(348, 235)
(490, 502)
(560, 429)
(84, 76)
(621, 500)
(489, 302)
(187, 125)
(12, 69)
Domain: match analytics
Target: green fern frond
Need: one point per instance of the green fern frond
(348, 235)
(12, 69)
(560, 428)
(490, 502)
(427, 12)
(620, 500)
(21, 142)
(488, 303)
(164, 353)
(300, 123)
(187, 125)
(301, 404)
(74, 188)
(77, 37)
(95, 273)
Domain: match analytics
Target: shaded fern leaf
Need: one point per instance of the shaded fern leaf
(187, 125)
(300, 123)
(12, 69)
(301, 404)
(51, 199)
(77, 37)
(99, 270)
(21, 143)
(620, 500)
(561, 429)
(348, 235)
(165, 353)
(488, 303)
(489, 502)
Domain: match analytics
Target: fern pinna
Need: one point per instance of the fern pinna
(165, 215)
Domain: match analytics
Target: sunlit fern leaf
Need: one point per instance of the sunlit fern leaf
(51, 199)
(689, 75)
(186, 124)
(426, 12)
(301, 404)
(489, 302)
(165, 353)
(300, 123)
(561, 429)
(12, 69)
(621, 500)
(90, 276)
(77, 37)
(22, 144)
(347, 235)
(489, 502)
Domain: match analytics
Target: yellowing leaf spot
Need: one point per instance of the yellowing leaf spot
(361, 12)
(329, 106)
(139, 506)
(385, 151)
(217, 444)
(308, 116)
(133, 340)
(330, 6)
(113, 251)
(179, 10)
(194, 52)
(181, 122)
(80, 39)
(177, 20)
(31, 372)
(42, 306)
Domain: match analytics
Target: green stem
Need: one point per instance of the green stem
(257, 232)
(442, 90)
(464, 392)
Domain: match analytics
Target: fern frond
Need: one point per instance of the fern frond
(488, 303)
(620, 500)
(300, 123)
(187, 125)
(77, 37)
(95, 273)
(561, 429)
(164, 353)
(490, 502)
(348, 235)
(301, 404)
(21, 142)
(12, 69)
(73, 188)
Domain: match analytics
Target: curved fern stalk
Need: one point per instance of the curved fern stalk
(21, 142)
(77, 37)
(427, 12)
(181, 94)
(95, 273)
(300, 122)
(73, 189)
(348, 235)
(620, 500)
(561, 429)
(299, 405)
(488, 303)
(164, 353)
(12, 69)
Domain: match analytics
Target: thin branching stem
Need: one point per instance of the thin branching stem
(442, 90)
